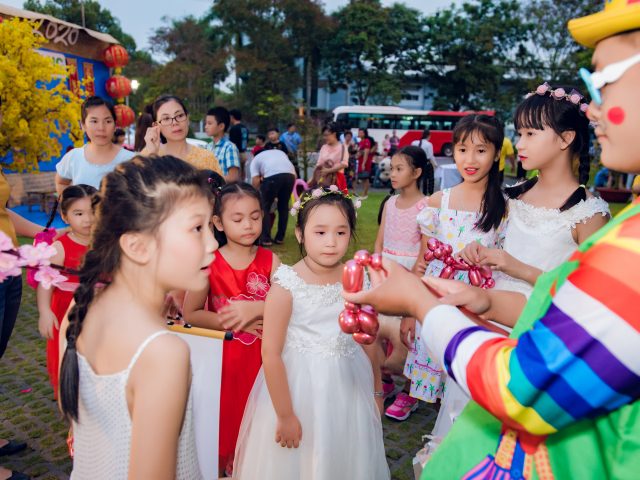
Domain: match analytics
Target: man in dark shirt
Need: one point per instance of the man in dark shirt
(239, 136)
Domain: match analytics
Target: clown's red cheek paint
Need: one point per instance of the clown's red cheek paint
(616, 115)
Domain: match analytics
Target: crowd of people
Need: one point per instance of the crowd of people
(537, 375)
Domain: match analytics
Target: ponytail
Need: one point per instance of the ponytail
(494, 206)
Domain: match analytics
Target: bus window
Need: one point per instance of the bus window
(383, 121)
(406, 122)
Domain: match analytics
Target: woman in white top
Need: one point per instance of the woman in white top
(125, 380)
(89, 163)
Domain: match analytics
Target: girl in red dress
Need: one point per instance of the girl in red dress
(238, 284)
(77, 211)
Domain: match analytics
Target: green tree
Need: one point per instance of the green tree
(473, 54)
(270, 41)
(374, 49)
(196, 63)
(555, 56)
(95, 17)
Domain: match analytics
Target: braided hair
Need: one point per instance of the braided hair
(136, 197)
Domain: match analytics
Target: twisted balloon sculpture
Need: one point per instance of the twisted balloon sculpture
(478, 276)
(359, 320)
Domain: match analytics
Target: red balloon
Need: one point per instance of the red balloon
(447, 272)
(449, 260)
(448, 249)
(433, 243)
(428, 256)
(368, 321)
(460, 265)
(364, 338)
(348, 322)
(362, 257)
(485, 272)
(352, 276)
(489, 283)
(438, 253)
(376, 261)
(474, 277)
(352, 307)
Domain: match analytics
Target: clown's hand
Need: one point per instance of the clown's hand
(460, 294)
(395, 291)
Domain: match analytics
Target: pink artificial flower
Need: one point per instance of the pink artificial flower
(297, 205)
(333, 188)
(542, 89)
(575, 97)
(257, 285)
(9, 266)
(5, 242)
(357, 204)
(34, 255)
(317, 193)
(559, 93)
(584, 107)
(49, 277)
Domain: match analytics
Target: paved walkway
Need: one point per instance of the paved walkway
(28, 412)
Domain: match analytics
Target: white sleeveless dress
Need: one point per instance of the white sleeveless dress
(102, 435)
(536, 236)
(331, 384)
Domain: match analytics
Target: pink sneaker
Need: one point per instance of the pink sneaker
(389, 389)
(402, 407)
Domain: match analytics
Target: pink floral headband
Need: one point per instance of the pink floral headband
(560, 93)
(321, 192)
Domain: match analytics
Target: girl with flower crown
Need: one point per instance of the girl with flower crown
(312, 414)
(239, 279)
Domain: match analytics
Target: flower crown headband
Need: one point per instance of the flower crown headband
(321, 192)
(574, 97)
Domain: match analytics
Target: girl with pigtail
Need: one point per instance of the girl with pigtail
(552, 213)
(125, 381)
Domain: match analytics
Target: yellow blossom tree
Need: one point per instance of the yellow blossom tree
(37, 105)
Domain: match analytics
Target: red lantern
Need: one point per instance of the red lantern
(116, 56)
(118, 86)
(125, 115)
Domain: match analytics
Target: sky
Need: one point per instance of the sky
(140, 17)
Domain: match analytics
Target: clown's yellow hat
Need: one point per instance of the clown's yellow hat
(618, 16)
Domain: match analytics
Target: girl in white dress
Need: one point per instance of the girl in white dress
(311, 414)
(549, 215)
(125, 379)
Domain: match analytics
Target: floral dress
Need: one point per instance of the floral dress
(456, 228)
(241, 357)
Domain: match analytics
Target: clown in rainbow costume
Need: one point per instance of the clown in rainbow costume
(556, 400)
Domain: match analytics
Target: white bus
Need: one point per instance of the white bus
(408, 124)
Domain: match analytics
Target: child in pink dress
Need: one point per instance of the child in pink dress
(399, 239)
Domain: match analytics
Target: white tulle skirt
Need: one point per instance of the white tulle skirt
(332, 397)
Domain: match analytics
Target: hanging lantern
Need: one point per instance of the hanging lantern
(116, 56)
(125, 115)
(118, 86)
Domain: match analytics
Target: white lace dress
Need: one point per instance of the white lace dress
(537, 236)
(331, 384)
(543, 237)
